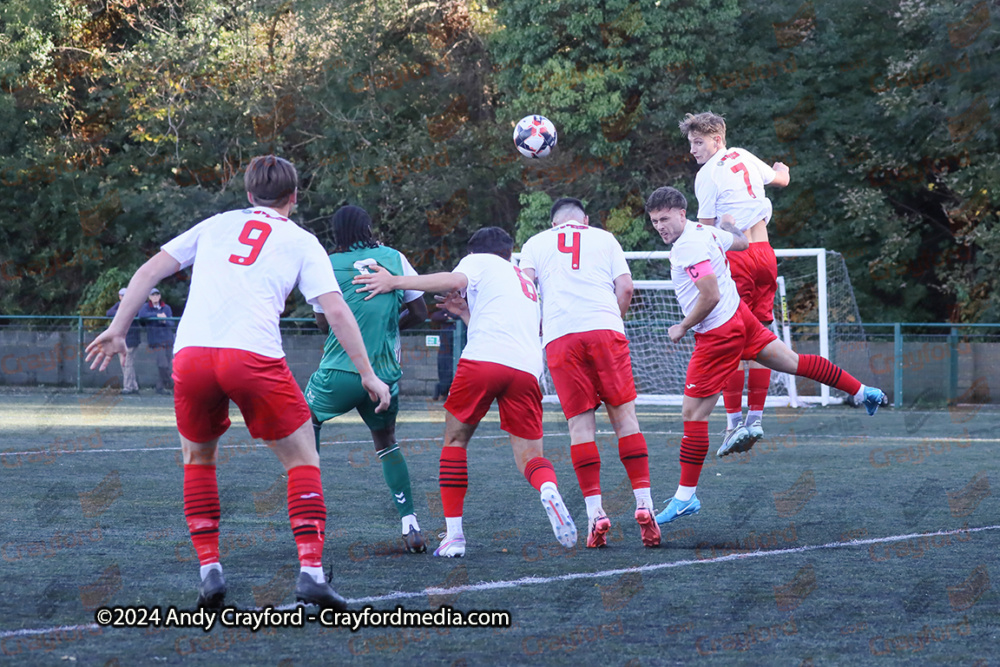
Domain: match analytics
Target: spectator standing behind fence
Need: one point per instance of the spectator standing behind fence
(159, 336)
(129, 385)
(445, 355)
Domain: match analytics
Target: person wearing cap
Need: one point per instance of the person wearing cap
(129, 385)
(159, 336)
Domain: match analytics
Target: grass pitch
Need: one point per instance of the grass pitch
(839, 539)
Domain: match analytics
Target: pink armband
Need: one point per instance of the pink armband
(700, 270)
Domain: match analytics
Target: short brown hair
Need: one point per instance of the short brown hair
(707, 124)
(271, 180)
(666, 198)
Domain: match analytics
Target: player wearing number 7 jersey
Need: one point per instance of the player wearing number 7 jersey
(228, 347)
(502, 361)
(731, 182)
(725, 331)
(586, 288)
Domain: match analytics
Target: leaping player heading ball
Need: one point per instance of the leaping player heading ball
(725, 331)
(228, 346)
(731, 182)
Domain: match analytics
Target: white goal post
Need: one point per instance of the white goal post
(655, 308)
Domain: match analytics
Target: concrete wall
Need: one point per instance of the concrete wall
(50, 358)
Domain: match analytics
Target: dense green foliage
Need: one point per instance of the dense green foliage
(122, 123)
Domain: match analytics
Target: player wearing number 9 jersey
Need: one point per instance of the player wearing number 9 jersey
(586, 288)
(502, 361)
(228, 347)
(731, 182)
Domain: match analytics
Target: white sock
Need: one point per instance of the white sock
(594, 507)
(685, 493)
(410, 521)
(860, 396)
(315, 572)
(755, 416)
(205, 569)
(643, 498)
(454, 524)
(733, 419)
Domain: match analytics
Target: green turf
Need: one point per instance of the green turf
(85, 526)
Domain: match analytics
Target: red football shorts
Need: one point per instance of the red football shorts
(477, 383)
(206, 378)
(590, 367)
(717, 353)
(755, 271)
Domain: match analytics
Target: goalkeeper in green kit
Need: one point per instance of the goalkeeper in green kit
(335, 388)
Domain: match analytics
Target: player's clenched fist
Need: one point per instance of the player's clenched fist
(676, 332)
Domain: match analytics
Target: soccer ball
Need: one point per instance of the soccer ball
(534, 136)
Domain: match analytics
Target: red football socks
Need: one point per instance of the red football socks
(538, 471)
(694, 447)
(201, 509)
(307, 513)
(757, 385)
(635, 457)
(453, 479)
(587, 464)
(817, 368)
(732, 391)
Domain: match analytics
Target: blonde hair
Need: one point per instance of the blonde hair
(707, 124)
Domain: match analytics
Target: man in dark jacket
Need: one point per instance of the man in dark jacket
(129, 385)
(159, 336)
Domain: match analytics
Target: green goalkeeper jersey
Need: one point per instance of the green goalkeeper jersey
(378, 318)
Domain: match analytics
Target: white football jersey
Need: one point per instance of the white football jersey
(696, 244)
(503, 314)
(576, 266)
(732, 181)
(245, 265)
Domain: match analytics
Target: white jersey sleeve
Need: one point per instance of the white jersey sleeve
(503, 314)
(316, 276)
(244, 265)
(703, 243)
(732, 182)
(408, 270)
(576, 266)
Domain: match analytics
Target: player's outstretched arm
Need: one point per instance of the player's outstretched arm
(112, 340)
(708, 298)
(381, 281)
(782, 177)
(345, 328)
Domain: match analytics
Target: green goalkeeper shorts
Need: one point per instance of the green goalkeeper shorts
(331, 393)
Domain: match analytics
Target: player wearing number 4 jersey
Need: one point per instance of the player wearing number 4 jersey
(586, 288)
(228, 347)
(725, 332)
(731, 182)
(502, 361)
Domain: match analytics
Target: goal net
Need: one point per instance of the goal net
(815, 312)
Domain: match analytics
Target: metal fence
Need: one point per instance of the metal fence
(916, 363)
